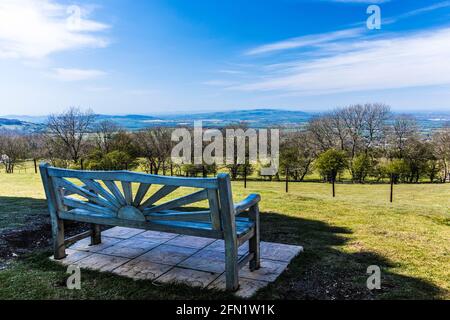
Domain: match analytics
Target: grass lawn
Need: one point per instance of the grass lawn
(409, 240)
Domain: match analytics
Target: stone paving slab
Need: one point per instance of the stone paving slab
(85, 244)
(269, 271)
(278, 251)
(194, 278)
(247, 287)
(122, 232)
(219, 245)
(101, 262)
(190, 241)
(73, 256)
(171, 258)
(129, 248)
(157, 236)
(142, 269)
(167, 254)
(206, 260)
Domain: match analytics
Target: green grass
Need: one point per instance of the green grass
(409, 240)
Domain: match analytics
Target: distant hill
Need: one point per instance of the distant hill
(258, 118)
(19, 125)
(255, 117)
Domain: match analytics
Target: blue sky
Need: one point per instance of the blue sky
(153, 57)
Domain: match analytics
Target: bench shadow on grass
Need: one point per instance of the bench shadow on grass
(322, 271)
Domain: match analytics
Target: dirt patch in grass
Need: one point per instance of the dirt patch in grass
(28, 238)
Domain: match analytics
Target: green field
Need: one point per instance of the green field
(409, 240)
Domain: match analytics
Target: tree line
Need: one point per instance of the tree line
(366, 141)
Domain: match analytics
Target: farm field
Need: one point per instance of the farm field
(409, 240)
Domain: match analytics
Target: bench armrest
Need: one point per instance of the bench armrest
(247, 203)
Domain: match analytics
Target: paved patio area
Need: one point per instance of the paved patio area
(168, 258)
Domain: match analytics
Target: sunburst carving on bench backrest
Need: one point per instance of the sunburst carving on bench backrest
(104, 197)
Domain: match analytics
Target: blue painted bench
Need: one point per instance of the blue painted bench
(106, 198)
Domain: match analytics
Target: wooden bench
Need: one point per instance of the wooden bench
(96, 198)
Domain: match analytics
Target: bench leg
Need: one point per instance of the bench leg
(59, 247)
(231, 268)
(96, 236)
(254, 241)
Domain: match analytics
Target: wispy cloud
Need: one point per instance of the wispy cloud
(412, 13)
(324, 39)
(305, 41)
(230, 71)
(64, 74)
(417, 59)
(35, 29)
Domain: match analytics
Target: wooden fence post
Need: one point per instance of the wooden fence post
(334, 191)
(392, 188)
(245, 176)
(287, 179)
(35, 165)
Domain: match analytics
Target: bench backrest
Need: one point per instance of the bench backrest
(110, 193)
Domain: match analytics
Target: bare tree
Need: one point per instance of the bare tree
(36, 147)
(104, 134)
(338, 127)
(70, 130)
(354, 119)
(376, 116)
(155, 145)
(441, 146)
(297, 154)
(404, 129)
(321, 129)
(13, 147)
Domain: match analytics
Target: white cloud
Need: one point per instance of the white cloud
(36, 29)
(64, 74)
(418, 59)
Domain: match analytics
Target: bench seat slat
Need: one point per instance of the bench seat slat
(180, 215)
(90, 217)
(243, 226)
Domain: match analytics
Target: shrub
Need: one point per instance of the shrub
(331, 163)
